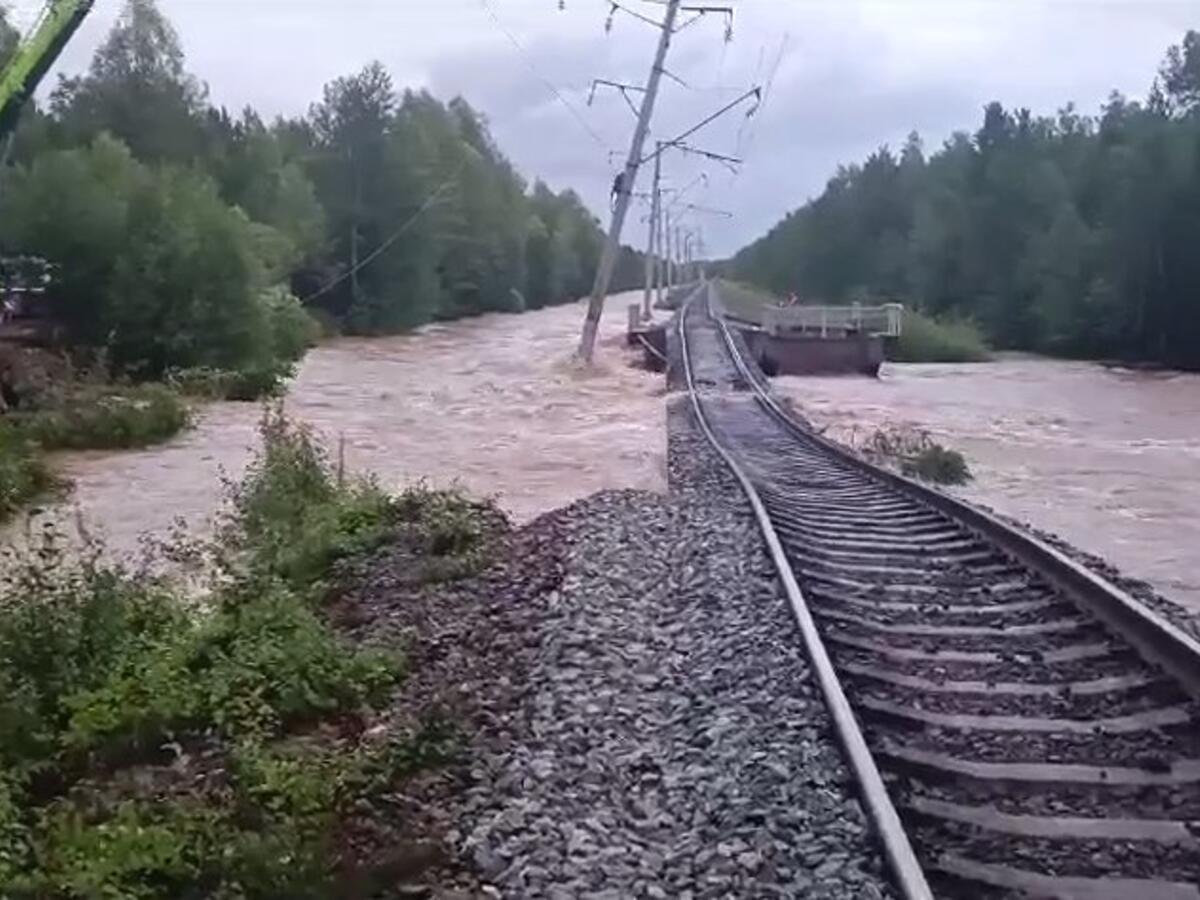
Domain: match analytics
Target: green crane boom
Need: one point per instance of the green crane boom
(20, 77)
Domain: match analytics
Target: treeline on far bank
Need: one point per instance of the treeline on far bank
(181, 238)
(1073, 234)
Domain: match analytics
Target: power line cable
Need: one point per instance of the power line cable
(430, 201)
(784, 45)
(546, 82)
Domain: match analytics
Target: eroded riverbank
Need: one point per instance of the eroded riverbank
(1108, 459)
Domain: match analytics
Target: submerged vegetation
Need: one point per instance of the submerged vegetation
(105, 417)
(916, 454)
(155, 744)
(56, 407)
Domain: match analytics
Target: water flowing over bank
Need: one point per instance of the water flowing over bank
(1107, 458)
(495, 403)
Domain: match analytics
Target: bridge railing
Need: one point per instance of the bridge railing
(835, 321)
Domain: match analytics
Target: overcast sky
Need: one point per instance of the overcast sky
(850, 75)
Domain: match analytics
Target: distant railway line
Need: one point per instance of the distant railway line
(1018, 726)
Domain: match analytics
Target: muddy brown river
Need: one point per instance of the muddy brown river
(495, 404)
(1108, 459)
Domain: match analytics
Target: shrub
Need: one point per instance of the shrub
(23, 473)
(926, 340)
(918, 455)
(92, 417)
(257, 382)
(65, 628)
(200, 381)
(939, 465)
(103, 670)
(270, 831)
(293, 330)
(139, 850)
(239, 385)
(271, 661)
(291, 514)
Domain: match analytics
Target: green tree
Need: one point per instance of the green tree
(138, 89)
(149, 264)
(351, 136)
(1069, 233)
(71, 207)
(254, 172)
(1180, 73)
(184, 290)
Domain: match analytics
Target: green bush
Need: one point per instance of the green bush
(102, 670)
(152, 265)
(64, 630)
(926, 340)
(258, 382)
(139, 850)
(265, 661)
(23, 473)
(80, 416)
(294, 517)
(939, 465)
(270, 832)
(240, 385)
(97, 417)
(293, 330)
(917, 455)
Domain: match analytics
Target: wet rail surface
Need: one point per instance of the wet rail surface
(1026, 741)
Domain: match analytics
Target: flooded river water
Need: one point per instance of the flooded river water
(494, 403)
(1108, 459)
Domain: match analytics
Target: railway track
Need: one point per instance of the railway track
(1018, 726)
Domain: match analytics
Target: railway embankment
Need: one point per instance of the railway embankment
(636, 718)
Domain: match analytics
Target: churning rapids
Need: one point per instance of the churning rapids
(495, 404)
(1108, 459)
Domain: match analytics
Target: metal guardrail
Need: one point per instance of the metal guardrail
(835, 321)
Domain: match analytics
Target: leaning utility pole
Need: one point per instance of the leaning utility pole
(624, 188)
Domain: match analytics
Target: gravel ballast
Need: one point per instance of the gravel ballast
(637, 716)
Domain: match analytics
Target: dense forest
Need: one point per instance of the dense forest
(178, 235)
(1072, 234)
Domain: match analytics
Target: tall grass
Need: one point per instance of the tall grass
(80, 415)
(927, 340)
(24, 474)
(745, 301)
(153, 746)
(100, 417)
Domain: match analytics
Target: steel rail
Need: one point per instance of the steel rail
(902, 860)
(1153, 636)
